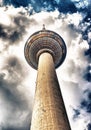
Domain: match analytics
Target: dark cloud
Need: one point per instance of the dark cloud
(87, 73)
(14, 63)
(63, 6)
(11, 77)
(67, 6)
(48, 5)
(76, 113)
(85, 24)
(85, 29)
(14, 33)
(73, 31)
(14, 78)
(85, 104)
(16, 3)
(88, 52)
(89, 126)
(87, 76)
(14, 68)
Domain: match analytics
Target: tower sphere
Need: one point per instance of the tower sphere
(45, 41)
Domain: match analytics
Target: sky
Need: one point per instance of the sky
(71, 19)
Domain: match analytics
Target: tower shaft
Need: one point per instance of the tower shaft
(49, 111)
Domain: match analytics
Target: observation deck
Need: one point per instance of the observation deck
(45, 41)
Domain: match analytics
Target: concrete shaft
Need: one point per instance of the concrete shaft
(49, 111)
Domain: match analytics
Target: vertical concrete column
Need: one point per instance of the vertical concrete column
(49, 111)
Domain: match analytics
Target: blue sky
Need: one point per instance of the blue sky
(18, 20)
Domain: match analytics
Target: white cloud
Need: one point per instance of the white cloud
(69, 74)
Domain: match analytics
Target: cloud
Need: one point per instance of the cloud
(16, 32)
(14, 73)
(87, 73)
(67, 6)
(89, 126)
(76, 113)
(16, 3)
(44, 5)
(19, 111)
(86, 102)
(17, 25)
(83, 111)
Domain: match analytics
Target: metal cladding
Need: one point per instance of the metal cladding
(45, 41)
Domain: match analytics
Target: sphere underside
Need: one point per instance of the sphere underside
(45, 41)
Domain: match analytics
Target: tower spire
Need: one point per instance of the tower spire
(43, 26)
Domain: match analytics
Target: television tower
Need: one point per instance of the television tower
(45, 50)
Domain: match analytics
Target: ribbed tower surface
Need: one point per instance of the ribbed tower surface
(45, 41)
